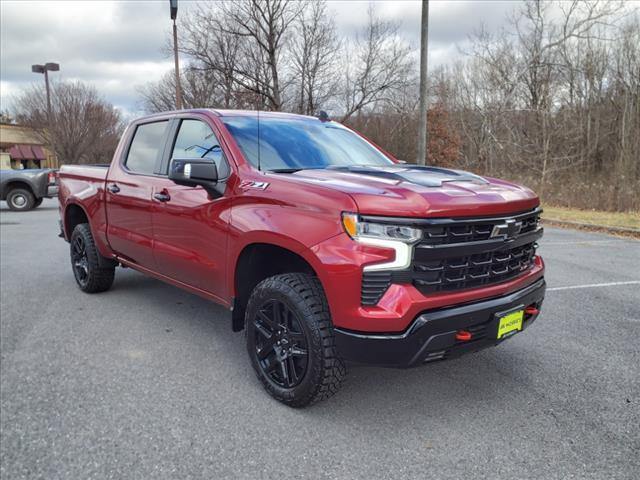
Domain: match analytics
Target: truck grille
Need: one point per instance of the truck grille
(461, 231)
(456, 254)
(472, 270)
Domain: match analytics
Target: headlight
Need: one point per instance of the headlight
(397, 237)
(358, 229)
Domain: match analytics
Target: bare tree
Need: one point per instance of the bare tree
(313, 58)
(262, 25)
(214, 52)
(199, 90)
(377, 68)
(521, 73)
(84, 128)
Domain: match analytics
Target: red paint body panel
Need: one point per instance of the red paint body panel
(379, 196)
(194, 241)
(129, 229)
(83, 187)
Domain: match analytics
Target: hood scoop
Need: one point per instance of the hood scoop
(416, 174)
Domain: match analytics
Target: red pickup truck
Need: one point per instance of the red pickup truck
(324, 247)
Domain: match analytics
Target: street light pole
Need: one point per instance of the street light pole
(46, 82)
(421, 156)
(46, 68)
(173, 4)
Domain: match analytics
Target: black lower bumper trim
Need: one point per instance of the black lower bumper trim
(432, 335)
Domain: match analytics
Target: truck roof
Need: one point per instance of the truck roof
(233, 113)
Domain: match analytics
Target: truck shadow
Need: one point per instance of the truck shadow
(472, 384)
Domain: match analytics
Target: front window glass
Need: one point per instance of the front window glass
(196, 140)
(301, 143)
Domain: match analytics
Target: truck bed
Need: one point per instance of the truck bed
(93, 172)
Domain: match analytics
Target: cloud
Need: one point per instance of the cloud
(113, 45)
(118, 45)
(450, 23)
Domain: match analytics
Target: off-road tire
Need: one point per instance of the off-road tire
(89, 271)
(20, 200)
(304, 297)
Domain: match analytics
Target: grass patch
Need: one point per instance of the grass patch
(593, 217)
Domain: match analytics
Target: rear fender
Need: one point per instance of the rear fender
(89, 196)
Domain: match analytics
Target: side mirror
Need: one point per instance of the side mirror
(192, 172)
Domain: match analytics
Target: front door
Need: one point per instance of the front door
(190, 228)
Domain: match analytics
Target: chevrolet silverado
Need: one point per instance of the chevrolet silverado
(323, 246)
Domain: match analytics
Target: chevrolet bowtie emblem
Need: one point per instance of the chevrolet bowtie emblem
(509, 229)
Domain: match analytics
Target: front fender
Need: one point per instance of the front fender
(273, 209)
(293, 219)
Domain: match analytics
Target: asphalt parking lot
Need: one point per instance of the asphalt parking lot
(147, 381)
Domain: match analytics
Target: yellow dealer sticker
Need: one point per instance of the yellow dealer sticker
(510, 323)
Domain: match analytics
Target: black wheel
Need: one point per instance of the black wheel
(38, 202)
(85, 261)
(290, 340)
(20, 199)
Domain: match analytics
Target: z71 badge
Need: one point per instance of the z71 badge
(252, 184)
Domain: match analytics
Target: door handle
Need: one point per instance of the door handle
(113, 188)
(162, 197)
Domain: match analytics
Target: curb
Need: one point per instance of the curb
(632, 232)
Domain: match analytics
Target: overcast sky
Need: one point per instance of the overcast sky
(117, 45)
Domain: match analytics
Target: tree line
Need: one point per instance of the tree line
(551, 100)
(554, 100)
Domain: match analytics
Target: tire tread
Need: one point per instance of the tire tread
(100, 278)
(307, 292)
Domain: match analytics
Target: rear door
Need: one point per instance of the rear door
(190, 227)
(129, 189)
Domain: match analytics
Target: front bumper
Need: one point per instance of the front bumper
(431, 336)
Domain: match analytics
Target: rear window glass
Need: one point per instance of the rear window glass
(146, 147)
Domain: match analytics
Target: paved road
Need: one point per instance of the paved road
(146, 381)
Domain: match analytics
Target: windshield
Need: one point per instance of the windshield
(295, 144)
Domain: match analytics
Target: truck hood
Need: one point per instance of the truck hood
(417, 191)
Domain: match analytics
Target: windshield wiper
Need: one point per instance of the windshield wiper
(294, 169)
(285, 170)
(206, 150)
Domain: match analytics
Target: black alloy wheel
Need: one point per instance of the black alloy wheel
(93, 273)
(80, 260)
(290, 341)
(280, 343)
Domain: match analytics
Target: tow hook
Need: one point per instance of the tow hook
(463, 335)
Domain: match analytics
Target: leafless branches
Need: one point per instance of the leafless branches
(543, 99)
(287, 55)
(378, 67)
(553, 99)
(313, 58)
(83, 127)
(199, 89)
